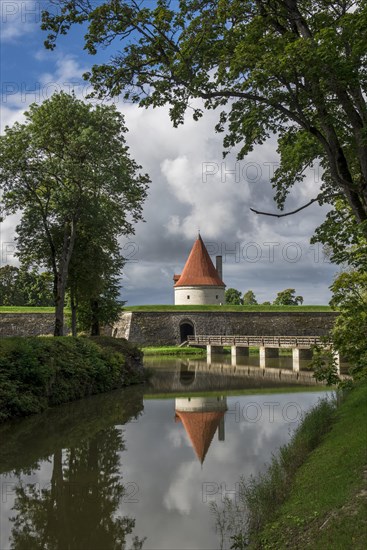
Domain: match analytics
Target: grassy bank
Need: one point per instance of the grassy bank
(36, 373)
(258, 308)
(314, 494)
(173, 350)
(26, 309)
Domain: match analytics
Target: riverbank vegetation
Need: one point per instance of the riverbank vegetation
(313, 494)
(36, 373)
(173, 350)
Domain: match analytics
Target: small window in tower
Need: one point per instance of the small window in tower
(217, 297)
(188, 296)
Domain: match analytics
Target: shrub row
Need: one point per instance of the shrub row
(36, 373)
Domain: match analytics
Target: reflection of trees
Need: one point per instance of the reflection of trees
(78, 510)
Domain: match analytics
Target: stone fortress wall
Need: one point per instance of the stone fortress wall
(166, 328)
(169, 328)
(26, 324)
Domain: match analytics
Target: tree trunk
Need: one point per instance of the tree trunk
(95, 326)
(62, 276)
(74, 307)
(59, 309)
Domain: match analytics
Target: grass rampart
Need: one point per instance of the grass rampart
(314, 493)
(239, 309)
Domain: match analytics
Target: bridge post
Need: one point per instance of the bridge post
(210, 350)
(298, 355)
(336, 356)
(239, 351)
(267, 353)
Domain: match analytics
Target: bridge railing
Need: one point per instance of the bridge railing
(255, 341)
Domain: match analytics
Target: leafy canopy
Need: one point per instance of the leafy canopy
(66, 166)
(288, 297)
(21, 287)
(249, 298)
(294, 68)
(233, 297)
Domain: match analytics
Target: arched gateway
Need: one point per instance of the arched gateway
(186, 329)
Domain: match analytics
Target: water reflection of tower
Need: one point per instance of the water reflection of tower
(201, 418)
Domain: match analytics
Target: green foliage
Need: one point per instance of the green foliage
(350, 329)
(344, 241)
(249, 298)
(295, 69)
(95, 271)
(21, 287)
(39, 372)
(233, 297)
(66, 167)
(324, 366)
(288, 297)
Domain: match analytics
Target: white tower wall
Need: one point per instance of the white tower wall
(199, 295)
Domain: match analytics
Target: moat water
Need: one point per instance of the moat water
(138, 468)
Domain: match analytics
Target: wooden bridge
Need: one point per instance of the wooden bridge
(302, 346)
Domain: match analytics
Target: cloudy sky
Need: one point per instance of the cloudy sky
(192, 187)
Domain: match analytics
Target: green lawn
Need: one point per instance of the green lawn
(228, 308)
(25, 309)
(172, 350)
(327, 505)
(260, 308)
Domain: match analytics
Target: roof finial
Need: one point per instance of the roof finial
(198, 232)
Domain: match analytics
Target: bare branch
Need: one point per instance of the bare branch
(318, 198)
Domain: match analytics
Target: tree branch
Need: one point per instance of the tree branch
(319, 197)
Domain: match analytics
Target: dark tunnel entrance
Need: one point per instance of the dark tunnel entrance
(186, 329)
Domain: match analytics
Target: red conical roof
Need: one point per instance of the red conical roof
(199, 269)
(200, 427)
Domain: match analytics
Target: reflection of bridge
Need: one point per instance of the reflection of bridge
(197, 376)
(269, 346)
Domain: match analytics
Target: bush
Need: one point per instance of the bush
(39, 372)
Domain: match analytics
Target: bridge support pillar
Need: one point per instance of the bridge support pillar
(239, 351)
(298, 355)
(212, 350)
(267, 353)
(336, 356)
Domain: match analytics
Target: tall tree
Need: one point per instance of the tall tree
(95, 271)
(67, 156)
(10, 294)
(249, 298)
(288, 297)
(21, 287)
(296, 68)
(233, 297)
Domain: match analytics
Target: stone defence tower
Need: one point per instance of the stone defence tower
(200, 283)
